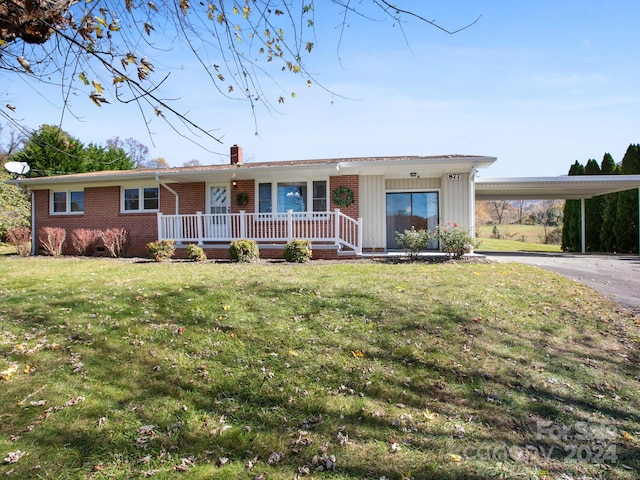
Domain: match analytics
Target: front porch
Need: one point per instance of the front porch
(267, 229)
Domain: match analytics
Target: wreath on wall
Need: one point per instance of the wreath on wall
(242, 199)
(342, 196)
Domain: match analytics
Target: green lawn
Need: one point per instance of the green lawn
(361, 370)
(516, 238)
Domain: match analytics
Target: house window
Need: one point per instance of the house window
(292, 196)
(264, 198)
(319, 196)
(141, 199)
(67, 202)
(308, 196)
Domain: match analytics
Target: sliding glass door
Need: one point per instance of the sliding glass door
(411, 209)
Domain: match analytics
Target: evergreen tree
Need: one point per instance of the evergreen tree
(572, 227)
(626, 222)
(593, 212)
(608, 165)
(52, 151)
(609, 207)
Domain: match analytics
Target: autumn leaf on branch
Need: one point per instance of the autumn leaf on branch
(97, 99)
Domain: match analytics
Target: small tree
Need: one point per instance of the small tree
(20, 238)
(15, 206)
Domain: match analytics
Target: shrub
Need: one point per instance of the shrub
(52, 240)
(116, 241)
(161, 250)
(196, 253)
(414, 241)
(20, 238)
(552, 237)
(454, 241)
(84, 240)
(243, 251)
(298, 251)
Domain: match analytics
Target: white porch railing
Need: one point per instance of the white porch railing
(201, 228)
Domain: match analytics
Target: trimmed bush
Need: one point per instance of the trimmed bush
(244, 251)
(52, 240)
(20, 238)
(161, 250)
(298, 251)
(116, 241)
(196, 253)
(84, 240)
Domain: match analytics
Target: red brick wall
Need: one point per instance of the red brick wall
(193, 198)
(102, 211)
(351, 182)
(249, 187)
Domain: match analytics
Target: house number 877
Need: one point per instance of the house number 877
(454, 176)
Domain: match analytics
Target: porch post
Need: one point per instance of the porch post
(289, 225)
(160, 232)
(200, 228)
(243, 224)
(359, 250)
(583, 227)
(336, 228)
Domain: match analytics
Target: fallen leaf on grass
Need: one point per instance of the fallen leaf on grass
(455, 457)
(628, 437)
(357, 354)
(429, 415)
(7, 373)
(13, 457)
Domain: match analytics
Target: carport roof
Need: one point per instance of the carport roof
(562, 187)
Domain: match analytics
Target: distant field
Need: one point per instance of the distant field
(521, 233)
(516, 238)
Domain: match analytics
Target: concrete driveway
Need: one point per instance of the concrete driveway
(616, 276)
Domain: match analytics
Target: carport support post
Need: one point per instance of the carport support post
(583, 227)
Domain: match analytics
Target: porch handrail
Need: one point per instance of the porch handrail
(334, 227)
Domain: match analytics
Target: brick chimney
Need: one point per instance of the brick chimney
(236, 155)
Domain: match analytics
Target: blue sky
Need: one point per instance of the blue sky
(537, 84)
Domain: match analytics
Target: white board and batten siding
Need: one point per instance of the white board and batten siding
(373, 210)
(456, 200)
(373, 189)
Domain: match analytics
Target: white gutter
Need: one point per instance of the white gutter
(33, 224)
(175, 194)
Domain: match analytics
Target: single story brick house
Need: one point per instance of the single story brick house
(345, 206)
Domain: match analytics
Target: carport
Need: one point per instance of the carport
(575, 187)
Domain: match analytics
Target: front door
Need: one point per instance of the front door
(411, 209)
(217, 224)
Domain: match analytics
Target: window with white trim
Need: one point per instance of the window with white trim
(304, 196)
(141, 199)
(67, 202)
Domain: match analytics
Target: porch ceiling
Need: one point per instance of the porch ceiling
(562, 187)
